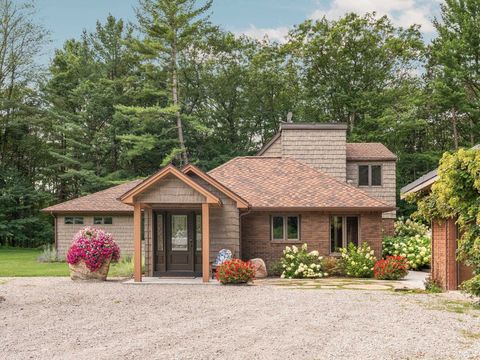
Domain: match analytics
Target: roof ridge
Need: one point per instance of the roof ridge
(223, 165)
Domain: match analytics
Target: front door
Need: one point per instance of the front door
(180, 240)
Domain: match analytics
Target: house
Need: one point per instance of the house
(307, 185)
(445, 269)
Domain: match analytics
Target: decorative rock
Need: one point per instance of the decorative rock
(80, 271)
(260, 268)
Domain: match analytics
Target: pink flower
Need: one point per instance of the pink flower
(93, 246)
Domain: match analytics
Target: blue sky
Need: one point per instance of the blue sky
(67, 18)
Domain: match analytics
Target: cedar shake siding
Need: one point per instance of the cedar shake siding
(224, 223)
(121, 229)
(314, 231)
(171, 190)
(386, 192)
(324, 150)
(275, 149)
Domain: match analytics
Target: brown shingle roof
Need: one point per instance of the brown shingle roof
(268, 182)
(102, 201)
(369, 151)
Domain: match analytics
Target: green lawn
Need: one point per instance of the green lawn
(23, 262)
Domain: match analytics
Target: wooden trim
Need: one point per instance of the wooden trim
(137, 240)
(285, 217)
(128, 197)
(205, 243)
(241, 203)
(326, 209)
(369, 165)
(344, 230)
(423, 186)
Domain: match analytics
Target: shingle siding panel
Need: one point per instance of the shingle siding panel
(275, 149)
(171, 190)
(121, 229)
(385, 193)
(324, 150)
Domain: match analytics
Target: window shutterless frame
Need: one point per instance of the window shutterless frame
(281, 220)
(373, 169)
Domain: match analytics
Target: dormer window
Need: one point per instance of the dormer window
(369, 175)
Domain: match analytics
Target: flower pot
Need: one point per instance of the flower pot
(80, 271)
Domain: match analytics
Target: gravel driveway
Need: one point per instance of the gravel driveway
(55, 318)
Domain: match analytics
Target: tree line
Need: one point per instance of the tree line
(119, 102)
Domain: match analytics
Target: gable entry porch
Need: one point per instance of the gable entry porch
(177, 210)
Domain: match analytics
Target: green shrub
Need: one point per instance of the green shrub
(416, 249)
(332, 266)
(48, 255)
(275, 268)
(299, 263)
(358, 262)
(472, 286)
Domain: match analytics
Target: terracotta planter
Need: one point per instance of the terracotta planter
(80, 271)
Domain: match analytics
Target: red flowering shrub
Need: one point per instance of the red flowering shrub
(93, 246)
(391, 268)
(235, 271)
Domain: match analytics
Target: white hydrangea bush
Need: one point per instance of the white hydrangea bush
(412, 241)
(416, 249)
(300, 263)
(358, 262)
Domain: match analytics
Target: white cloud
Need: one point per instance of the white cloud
(402, 12)
(275, 34)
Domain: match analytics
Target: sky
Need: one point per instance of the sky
(66, 19)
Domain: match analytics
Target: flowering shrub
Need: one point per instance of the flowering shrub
(412, 241)
(409, 227)
(416, 249)
(235, 271)
(299, 263)
(93, 246)
(358, 262)
(391, 268)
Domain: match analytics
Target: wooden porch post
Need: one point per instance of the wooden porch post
(205, 243)
(137, 240)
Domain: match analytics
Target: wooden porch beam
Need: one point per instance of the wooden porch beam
(137, 240)
(205, 243)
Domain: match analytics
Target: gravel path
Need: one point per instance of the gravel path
(55, 318)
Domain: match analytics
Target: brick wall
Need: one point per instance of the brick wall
(371, 231)
(314, 230)
(388, 228)
(445, 268)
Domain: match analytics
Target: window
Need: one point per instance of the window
(198, 232)
(285, 228)
(159, 232)
(370, 175)
(73, 220)
(107, 220)
(376, 175)
(343, 230)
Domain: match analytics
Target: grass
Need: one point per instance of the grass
(23, 262)
(471, 335)
(19, 262)
(456, 306)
